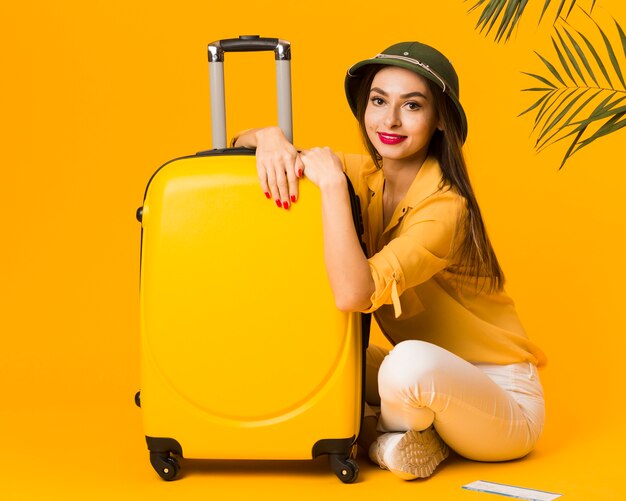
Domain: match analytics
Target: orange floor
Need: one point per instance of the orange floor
(93, 453)
(88, 444)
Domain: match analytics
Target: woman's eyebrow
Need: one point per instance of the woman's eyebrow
(379, 90)
(414, 94)
(403, 96)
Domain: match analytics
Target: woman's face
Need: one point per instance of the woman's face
(400, 117)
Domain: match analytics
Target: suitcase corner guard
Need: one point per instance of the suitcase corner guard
(163, 463)
(338, 451)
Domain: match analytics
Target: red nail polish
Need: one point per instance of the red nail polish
(285, 205)
(299, 172)
(293, 198)
(267, 195)
(278, 204)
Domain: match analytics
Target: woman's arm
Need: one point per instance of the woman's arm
(347, 267)
(278, 163)
(246, 139)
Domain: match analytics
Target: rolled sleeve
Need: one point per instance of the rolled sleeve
(388, 281)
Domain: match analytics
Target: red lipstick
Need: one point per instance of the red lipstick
(388, 138)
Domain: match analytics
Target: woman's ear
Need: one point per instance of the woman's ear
(439, 121)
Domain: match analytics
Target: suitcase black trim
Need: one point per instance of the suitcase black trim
(164, 445)
(333, 446)
(160, 456)
(339, 454)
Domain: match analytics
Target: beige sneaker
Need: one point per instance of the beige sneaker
(409, 455)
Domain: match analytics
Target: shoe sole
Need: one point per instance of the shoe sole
(417, 454)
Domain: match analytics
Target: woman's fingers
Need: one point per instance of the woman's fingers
(292, 178)
(278, 166)
(299, 167)
(321, 164)
(267, 172)
(262, 175)
(278, 177)
(281, 185)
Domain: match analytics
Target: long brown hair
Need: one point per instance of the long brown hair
(475, 255)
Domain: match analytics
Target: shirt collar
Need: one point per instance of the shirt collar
(426, 182)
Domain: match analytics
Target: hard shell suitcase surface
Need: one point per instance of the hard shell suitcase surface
(244, 354)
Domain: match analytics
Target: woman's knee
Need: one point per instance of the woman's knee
(410, 366)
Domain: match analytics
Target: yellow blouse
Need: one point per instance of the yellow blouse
(418, 295)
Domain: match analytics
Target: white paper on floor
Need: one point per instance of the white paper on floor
(511, 491)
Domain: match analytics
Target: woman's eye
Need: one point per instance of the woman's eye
(377, 101)
(413, 106)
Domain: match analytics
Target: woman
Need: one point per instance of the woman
(462, 372)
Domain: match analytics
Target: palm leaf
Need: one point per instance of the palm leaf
(571, 117)
(609, 127)
(552, 69)
(549, 105)
(505, 12)
(581, 55)
(507, 19)
(564, 108)
(476, 5)
(598, 60)
(516, 19)
(622, 37)
(571, 57)
(570, 150)
(610, 51)
(571, 6)
(560, 8)
(541, 79)
(545, 7)
(605, 112)
(563, 61)
(616, 66)
(588, 108)
(491, 10)
(544, 107)
(490, 13)
(508, 13)
(541, 100)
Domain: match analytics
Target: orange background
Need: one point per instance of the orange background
(96, 95)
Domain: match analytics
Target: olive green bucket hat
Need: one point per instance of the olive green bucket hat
(420, 58)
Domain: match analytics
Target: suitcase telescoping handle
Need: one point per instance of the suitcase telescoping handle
(249, 43)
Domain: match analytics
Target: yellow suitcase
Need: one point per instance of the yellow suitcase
(244, 354)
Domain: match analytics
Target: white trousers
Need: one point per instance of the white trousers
(484, 412)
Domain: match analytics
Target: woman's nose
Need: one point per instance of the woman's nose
(392, 117)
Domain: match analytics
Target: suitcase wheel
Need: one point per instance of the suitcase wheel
(166, 466)
(346, 469)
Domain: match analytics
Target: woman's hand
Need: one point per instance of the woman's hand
(278, 166)
(322, 166)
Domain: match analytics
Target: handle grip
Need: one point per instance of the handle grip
(249, 43)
